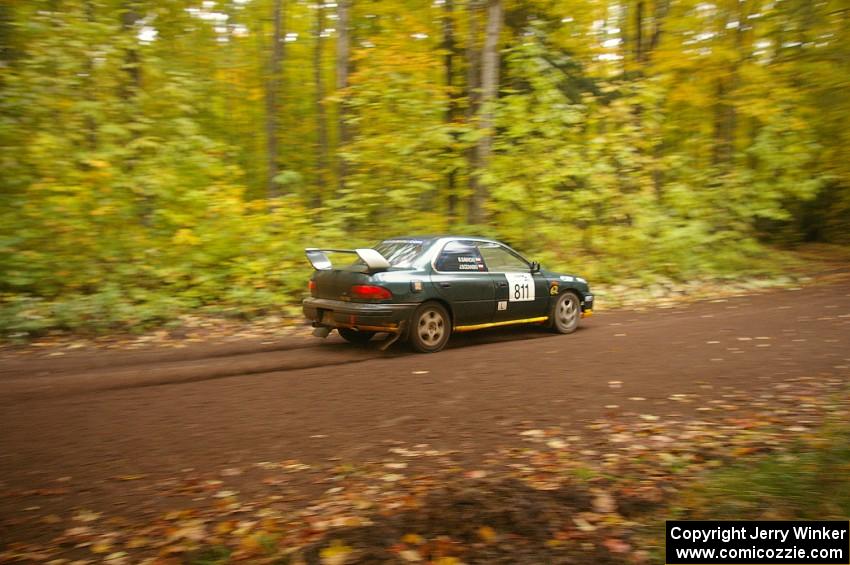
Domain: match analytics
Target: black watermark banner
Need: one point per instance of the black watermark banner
(743, 542)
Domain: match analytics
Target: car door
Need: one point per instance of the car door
(460, 277)
(520, 294)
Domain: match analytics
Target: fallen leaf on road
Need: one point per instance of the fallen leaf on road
(410, 555)
(101, 547)
(413, 539)
(615, 545)
(79, 531)
(604, 503)
(48, 491)
(584, 525)
(487, 533)
(86, 516)
(130, 477)
(336, 554)
(193, 530)
(137, 542)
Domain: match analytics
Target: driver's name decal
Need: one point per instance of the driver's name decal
(467, 263)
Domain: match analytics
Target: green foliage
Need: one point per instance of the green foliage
(215, 555)
(810, 482)
(134, 163)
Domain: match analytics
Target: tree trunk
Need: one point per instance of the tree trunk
(91, 125)
(662, 7)
(489, 92)
(726, 116)
(8, 53)
(132, 64)
(451, 111)
(724, 122)
(625, 40)
(343, 68)
(129, 90)
(321, 118)
(639, 33)
(473, 79)
(272, 93)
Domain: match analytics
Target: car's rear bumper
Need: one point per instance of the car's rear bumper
(358, 315)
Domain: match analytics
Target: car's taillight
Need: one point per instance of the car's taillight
(311, 286)
(370, 292)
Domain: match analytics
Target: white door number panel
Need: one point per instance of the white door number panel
(520, 287)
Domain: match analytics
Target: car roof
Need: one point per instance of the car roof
(429, 239)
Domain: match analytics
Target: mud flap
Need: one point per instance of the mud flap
(393, 337)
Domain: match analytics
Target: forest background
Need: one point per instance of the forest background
(169, 156)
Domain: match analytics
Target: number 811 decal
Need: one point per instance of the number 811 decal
(520, 287)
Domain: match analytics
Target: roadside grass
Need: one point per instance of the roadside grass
(808, 481)
(213, 555)
(130, 313)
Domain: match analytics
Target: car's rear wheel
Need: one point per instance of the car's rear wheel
(565, 314)
(430, 328)
(355, 336)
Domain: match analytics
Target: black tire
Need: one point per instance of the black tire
(430, 328)
(355, 336)
(565, 314)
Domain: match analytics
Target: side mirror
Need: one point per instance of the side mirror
(535, 267)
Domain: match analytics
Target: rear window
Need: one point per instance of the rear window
(400, 252)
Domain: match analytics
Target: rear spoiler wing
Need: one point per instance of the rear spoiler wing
(373, 259)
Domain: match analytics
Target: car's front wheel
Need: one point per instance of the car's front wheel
(430, 328)
(355, 336)
(565, 314)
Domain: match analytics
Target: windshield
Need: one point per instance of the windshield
(400, 252)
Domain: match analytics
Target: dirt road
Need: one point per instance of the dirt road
(78, 428)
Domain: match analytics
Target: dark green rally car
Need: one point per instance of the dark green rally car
(425, 288)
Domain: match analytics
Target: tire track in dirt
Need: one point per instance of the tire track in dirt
(79, 361)
(24, 380)
(60, 382)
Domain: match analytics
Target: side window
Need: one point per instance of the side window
(500, 260)
(460, 256)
